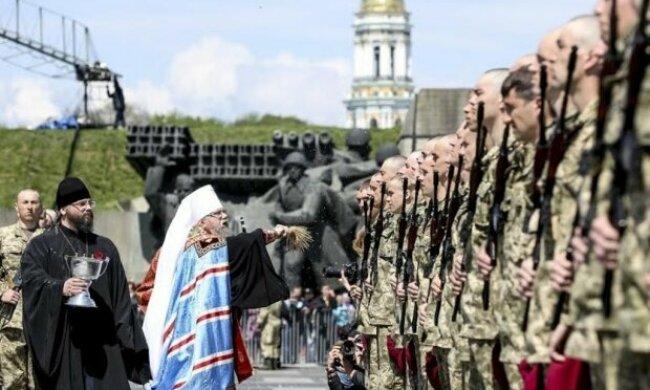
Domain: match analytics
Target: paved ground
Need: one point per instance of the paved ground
(298, 377)
(308, 376)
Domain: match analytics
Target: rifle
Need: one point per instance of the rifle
(476, 176)
(7, 309)
(626, 149)
(447, 246)
(494, 228)
(401, 231)
(434, 228)
(379, 230)
(555, 154)
(595, 157)
(367, 214)
(408, 267)
(541, 151)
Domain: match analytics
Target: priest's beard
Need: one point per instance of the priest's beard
(83, 221)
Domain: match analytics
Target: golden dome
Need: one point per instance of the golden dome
(383, 6)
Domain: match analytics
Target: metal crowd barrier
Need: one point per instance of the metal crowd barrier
(306, 337)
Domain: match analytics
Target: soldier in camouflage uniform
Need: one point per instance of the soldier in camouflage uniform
(270, 322)
(474, 329)
(437, 159)
(410, 378)
(380, 374)
(15, 363)
(584, 33)
(519, 112)
(380, 305)
(621, 356)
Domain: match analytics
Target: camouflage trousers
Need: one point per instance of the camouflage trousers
(515, 380)
(481, 361)
(425, 349)
(455, 373)
(15, 363)
(634, 371)
(270, 342)
(605, 374)
(382, 373)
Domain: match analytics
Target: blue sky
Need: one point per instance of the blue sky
(226, 58)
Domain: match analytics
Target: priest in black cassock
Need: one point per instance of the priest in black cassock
(79, 348)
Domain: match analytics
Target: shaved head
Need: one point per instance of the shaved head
(411, 168)
(525, 61)
(391, 166)
(28, 193)
(486, 90)
(584, 30)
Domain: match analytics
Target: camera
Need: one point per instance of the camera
(347, 351)
(350, 270)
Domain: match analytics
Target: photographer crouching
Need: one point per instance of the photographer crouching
(343, 370)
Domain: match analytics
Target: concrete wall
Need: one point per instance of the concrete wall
(438, 112)
(129, 232)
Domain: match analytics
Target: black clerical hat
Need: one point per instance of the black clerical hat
(71, 189)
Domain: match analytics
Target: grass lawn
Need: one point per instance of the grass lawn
(38, 159)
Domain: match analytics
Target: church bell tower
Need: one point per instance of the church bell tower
(382, 87)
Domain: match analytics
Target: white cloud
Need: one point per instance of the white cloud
(288, 85)
(204, 77)
(149, 97)
(223, 79)
(31, 103)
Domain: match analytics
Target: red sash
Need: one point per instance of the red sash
(243, 366)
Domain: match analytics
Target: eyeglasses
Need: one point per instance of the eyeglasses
(84, 203)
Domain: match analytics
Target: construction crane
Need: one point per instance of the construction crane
(51, 44)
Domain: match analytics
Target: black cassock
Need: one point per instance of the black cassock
(80, 348)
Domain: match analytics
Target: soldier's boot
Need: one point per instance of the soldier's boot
(268, 364)
(276, 364)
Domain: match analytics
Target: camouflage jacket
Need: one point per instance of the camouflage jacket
(12, 245)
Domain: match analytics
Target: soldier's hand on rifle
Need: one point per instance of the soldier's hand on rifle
(561, 273)
(484, 263)
(367, 286)
(400, 292)
(393, 283)
(74, 286)
(605, 239)
(558, 341)
(526, 276)
(579, 247)
(458, 277)
(436, 287)
(413, 291)
(10, 296)
(422, 315)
